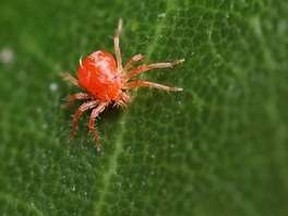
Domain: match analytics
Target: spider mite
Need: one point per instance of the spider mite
(103, 80)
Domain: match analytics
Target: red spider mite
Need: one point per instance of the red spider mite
(104, 81)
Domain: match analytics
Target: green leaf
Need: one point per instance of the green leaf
(217, 148)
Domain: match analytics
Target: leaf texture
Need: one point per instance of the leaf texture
(217, 148)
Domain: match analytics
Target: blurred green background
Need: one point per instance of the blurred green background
(217, 148)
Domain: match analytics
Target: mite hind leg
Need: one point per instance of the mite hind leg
(84, 107)
(78, 96)
(69, 78)
(91, 125)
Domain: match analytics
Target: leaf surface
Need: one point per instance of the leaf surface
(217, 148)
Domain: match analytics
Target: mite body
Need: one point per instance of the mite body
(104, 81)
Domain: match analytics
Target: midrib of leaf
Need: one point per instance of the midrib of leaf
(113, 161)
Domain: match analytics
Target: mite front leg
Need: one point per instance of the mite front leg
(134, 59)
(116, 45)
(149, 67)
(84, 107)
(95, 113)
(78, 96)
(144, 83)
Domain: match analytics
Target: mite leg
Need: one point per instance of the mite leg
(116, 45)
(123, 100)
(94, 114)
(78, 96)
(84, 107)
(144, 68)
(69, 78)
(132, 61)
(144, 83)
